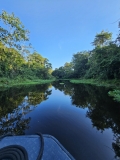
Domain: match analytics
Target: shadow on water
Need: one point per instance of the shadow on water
(103, 112)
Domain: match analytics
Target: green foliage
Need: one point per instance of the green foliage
(115, 94)
(101, 63)
(75, 69)
(14, 32)
(63, 72)
(80, 64)
(105, 63)
(102, 38)
(16, 62)
(13, 64)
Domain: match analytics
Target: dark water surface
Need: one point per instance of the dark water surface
(82, 117)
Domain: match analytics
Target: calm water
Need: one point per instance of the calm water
(82, 117)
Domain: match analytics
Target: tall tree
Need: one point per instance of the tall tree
(102, 38)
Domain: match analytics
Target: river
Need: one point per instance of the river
(82, 117)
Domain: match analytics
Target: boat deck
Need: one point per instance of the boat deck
(53, 150)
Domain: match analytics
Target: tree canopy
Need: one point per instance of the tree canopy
(103, 62)
(14, 31)
(16, 60)
(102, 38)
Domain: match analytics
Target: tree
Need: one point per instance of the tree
(14, 32)
(79, 62)
(15, 58)
(65, 71)
(68, 69)
(35, 60)
(102, 38)
(105, 63)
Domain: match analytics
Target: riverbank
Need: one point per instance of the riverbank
(115, 84)
(7, 83)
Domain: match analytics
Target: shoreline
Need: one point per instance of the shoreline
(7, 83)
(114, 84)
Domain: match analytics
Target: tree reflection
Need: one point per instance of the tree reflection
(16, 103)
(101, 109)
(116, 145)
(35, 98)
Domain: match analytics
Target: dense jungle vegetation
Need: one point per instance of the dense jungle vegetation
(100, 66)
(103, 62)
(18, 60)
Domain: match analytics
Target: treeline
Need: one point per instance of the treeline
(19, 60)
(17, 57)
(103, 62)
(14, 65)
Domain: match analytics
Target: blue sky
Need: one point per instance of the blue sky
(60, 28)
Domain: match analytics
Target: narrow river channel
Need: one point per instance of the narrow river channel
(82, 117)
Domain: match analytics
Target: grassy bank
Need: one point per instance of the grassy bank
(6, 83)
(108, 83)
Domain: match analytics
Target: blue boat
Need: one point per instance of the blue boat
(32, 147)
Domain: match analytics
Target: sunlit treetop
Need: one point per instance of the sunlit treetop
(102, 38)
(13, 31)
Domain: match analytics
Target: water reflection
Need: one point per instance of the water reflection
(102, 110)
(116, 145)
(16, 103)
